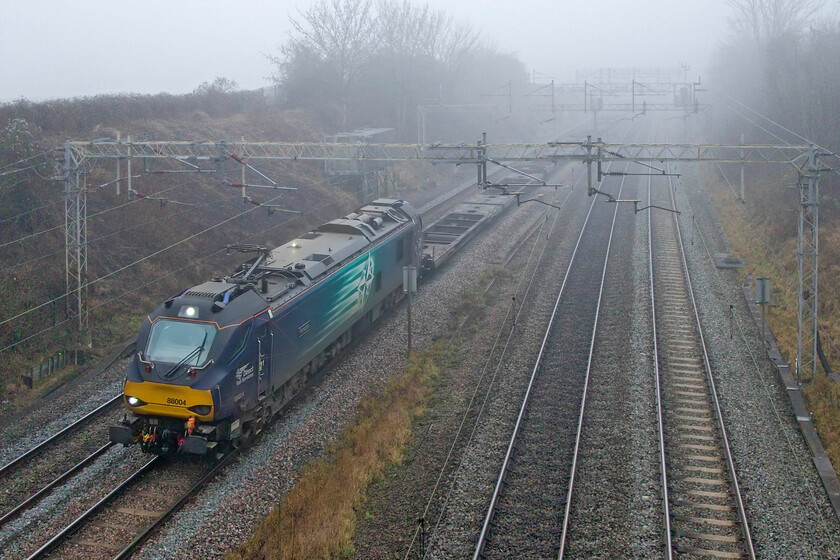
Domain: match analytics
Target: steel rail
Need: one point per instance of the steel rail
(513, 252)
(103, 366)
(666, 507)
(141, 538)
(742, 514)
(26, 455)
(522, 243)
(567, 513)
(482, 538)
(95, 508)
(58, 480)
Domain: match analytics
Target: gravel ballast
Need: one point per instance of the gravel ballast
(222, 516)
(790, 515)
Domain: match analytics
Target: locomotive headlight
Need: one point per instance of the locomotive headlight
(134, 401)
(188, 311)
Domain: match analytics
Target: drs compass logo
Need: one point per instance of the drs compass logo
(365, 284)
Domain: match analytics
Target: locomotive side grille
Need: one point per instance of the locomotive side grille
(209, 290)
(207, 295)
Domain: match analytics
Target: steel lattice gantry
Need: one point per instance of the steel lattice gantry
(75, 237)
(587, 151)
(807, 252)
(201, 154)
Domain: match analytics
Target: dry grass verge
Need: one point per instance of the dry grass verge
(746, 233)
(317, 518)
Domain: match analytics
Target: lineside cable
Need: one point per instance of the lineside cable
(511, 309)
(156, 279)
(130, 265)
(24, 160)
(754, 360)
(106, 211)
(122, 231)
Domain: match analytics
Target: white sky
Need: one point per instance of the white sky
(68, 48)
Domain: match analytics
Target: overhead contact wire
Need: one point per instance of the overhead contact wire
(508, 312)
(130, 265)
(122, 231)
(24, 160)
(158, 279)
(13, 171)
(106, 211)
(754, 361)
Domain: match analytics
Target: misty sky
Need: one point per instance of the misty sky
(56, 48)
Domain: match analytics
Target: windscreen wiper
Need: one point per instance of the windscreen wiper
(195, 352)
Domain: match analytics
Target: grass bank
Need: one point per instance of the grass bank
(748, 233)
(317, 518)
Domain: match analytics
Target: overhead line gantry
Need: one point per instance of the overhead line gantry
(209, 157)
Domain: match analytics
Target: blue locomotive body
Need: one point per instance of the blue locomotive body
(216, 362)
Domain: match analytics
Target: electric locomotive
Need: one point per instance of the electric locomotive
(214, 363)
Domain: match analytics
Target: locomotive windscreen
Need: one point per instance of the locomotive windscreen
(171, 341)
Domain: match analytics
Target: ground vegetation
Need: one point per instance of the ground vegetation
(775, 81)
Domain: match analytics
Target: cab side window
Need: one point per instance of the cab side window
(240, 344)
(400, 249)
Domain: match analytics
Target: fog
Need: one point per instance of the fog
(88, 47)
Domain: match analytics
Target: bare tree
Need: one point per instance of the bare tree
(767, 20)
(352, 62)
(409, 31)
(407, 41)
(339, 33)
(412, 32)
(220, 85)
(459, 45)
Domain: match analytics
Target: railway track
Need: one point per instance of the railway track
(54, 460)
(525, 256)
(121, 521)
(83, 532)
(703, 511)
(525, 511)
